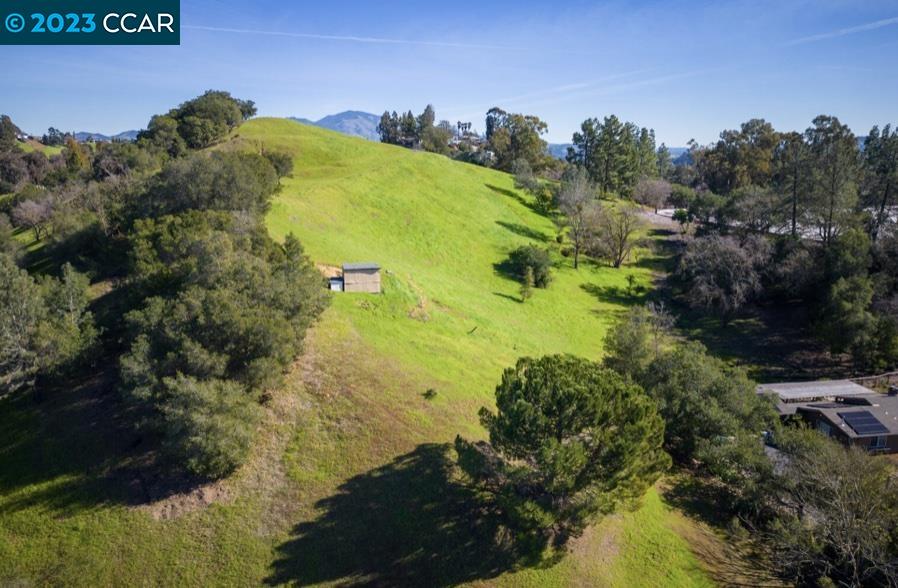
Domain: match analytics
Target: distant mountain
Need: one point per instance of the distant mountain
(350, 122)
(558, 150)
(84, 136)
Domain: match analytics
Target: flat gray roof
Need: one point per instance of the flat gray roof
(363, 265)
(825, 388)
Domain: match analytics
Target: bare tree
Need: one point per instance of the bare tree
(838, 514)
(33, 214)
(577, 203)
(722, 274)
(618, 229)
(652, 192)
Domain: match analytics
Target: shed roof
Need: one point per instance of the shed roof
(360, 266)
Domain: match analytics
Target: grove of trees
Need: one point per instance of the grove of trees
(214, 309)
(810, 217)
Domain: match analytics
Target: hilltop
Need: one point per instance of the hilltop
(350, 480)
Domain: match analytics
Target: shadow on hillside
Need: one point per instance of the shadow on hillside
(774, 342)
(699, 498)
(665, 247)
(737, 561)
(75, 446)
(616, 295)
(509, 297)
(407, 523)
(524, 231)
(505, 269)
(514, 195)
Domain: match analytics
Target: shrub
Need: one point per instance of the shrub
(722, 274)
(45, 326)
(282, 163)
(208, 425)
(231, 315)
(532, 258)
(220, 181)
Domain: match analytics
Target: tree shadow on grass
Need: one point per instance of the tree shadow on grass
(664, 252)
(407, 523)
(59, 446)
(524, 231)
(616, 295)
(699, 498)
(774, 341)
(75, 446)
(737, 561)
(509, 297)
(506, 269)
(520, 199)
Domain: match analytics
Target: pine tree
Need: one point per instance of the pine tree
(425, 121)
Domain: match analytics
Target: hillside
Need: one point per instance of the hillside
(350, 480)
(35, 145)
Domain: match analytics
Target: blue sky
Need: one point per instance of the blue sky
(687, 69)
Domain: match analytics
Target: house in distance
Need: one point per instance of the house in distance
(357, 277)
(843, 410)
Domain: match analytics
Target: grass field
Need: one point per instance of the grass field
(351, 479)
(33, 145)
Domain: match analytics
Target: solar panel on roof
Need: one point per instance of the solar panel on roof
(863, 422)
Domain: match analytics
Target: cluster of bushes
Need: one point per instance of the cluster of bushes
(530, 264)
(571, 439)
(217, 309)
(46, 329)
(196, 124)
(226, 308)
(229, 314)
(849, 285)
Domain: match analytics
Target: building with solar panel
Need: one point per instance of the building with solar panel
(841, 409)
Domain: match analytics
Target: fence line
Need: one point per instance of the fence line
(878, 381)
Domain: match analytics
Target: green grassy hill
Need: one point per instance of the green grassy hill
(351, 478)
(35, 145)
(438, 228)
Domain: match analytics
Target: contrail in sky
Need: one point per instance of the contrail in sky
(870, 26)
(348, 38)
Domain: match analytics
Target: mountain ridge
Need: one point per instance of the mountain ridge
(356, 123)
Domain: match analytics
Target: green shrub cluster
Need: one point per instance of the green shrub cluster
(45, 325)
(534, 259)
(227, 313)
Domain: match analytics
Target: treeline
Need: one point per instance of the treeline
(214, 310)
(617, 155)
(509, 138)
(798, 217)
